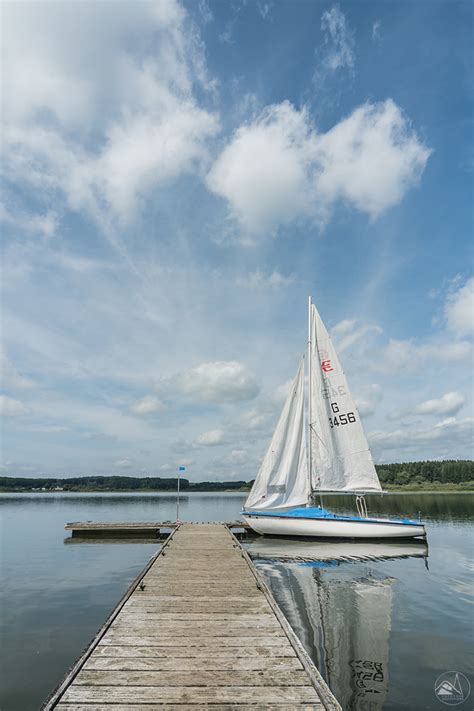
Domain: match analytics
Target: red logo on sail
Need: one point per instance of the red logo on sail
(326, 365)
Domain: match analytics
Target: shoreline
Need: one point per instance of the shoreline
(401, 490)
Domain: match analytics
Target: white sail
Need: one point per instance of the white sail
(283, 480)
(341, 459)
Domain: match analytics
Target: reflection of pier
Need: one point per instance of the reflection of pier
(344, 623)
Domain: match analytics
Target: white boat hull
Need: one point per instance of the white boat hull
(332, 528)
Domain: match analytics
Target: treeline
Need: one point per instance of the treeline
(399, 474)
(115, 483)
(452, 471)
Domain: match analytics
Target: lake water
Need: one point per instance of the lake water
(380, 630)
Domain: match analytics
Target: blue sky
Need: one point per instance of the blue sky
(177, 178)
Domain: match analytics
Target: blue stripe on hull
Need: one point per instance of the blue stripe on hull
(316, 512)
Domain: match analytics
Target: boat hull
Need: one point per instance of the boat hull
(333, 527)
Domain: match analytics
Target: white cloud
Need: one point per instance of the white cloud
(42, 224)
(349, 331)
(376, 36)
(9, 407)
(279, 169)
(10, 377)
(448, 404)
(262, 280)
(264, 8)
(262, 172)
(123, 464)
(219, 381)
(252, 420)
(459, 309)
(147, 405)
(156, 149)
(370, 159)
(94, 115)
(212, 438)
(406, 356)
(368, 400)
(338, 41)
(239, 456)
(205, 12)
(281, 392)
(451, 433)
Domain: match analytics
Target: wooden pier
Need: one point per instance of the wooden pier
(198, 629)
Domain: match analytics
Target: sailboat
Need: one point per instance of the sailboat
(337, 458)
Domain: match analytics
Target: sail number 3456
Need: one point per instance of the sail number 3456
(340, 418)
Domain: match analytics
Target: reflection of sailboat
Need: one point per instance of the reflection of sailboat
(344, 624)
(294, 549)
(338, 457)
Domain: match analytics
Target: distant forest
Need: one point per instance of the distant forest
(391, 475)
(451, 471)
(116, 483)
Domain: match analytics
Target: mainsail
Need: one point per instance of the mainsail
(283, 479)
(341, 459)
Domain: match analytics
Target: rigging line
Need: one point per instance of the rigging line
(315, 432)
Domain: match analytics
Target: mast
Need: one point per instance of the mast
(309, 401)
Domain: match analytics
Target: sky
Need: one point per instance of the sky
(178, 178)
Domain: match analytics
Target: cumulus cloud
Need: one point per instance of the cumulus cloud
(147, 405)
(219, 381)
(278, 169)
(448, 404)
(93, 115)
(9, 407)
(212, 438)
(262, 172)
(459, 309)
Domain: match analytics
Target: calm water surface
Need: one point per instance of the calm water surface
(380, 630)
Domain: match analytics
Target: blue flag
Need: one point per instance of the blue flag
(182, 469)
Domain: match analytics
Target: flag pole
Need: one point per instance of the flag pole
(177, 498)
(181, 468)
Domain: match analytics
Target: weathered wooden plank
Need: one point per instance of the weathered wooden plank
(210, 642)
(201, 694)
(267, 677)
(215, 663)
(214, 628)
(126, 526)
(315, 706)
(196, 652)
(232, 599)
(192, 617)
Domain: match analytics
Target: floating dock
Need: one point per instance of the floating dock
(197, 629)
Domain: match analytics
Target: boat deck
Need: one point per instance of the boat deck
(198, 629)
